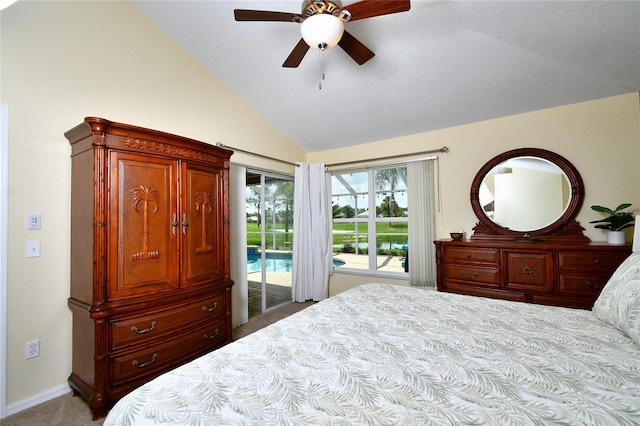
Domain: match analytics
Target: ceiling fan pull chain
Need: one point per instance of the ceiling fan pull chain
(321, 69)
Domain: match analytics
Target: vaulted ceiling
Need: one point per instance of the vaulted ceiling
(441, 64)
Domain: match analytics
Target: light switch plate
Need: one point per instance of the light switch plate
(34, 221)
(33, 248)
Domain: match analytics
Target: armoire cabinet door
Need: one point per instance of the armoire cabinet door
(202, 214)
(143, 229)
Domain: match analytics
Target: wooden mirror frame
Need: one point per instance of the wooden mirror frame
(565, 228)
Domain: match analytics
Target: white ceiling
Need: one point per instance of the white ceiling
(441, 64)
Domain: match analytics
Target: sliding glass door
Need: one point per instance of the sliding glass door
(269, 240)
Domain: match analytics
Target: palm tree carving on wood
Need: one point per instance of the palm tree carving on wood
(203, 204)
(148, 199)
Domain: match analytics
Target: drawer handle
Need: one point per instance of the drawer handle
(468, 254)
(215, 334)
(146, 330)
(527, 270)
(209, 310)
(595, 287)
(470, 276)
(145, 364)
(597, 261)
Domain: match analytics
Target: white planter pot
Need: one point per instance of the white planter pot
(617, 238)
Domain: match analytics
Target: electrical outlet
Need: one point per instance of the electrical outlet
(33, 248)
(32, 349)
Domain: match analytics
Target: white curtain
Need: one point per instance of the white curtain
(312, 254)
(421, 203)
(238, 245)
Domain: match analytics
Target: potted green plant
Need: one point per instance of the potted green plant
(615, 222)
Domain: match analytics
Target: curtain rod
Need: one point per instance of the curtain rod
(431, 151)
(221, 145)
(267, 172)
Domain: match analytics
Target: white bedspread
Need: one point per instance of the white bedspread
(389, 355)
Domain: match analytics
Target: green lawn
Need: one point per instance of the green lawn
(392, 233)
(253, 236)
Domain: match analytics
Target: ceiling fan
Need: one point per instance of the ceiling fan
(322, 25)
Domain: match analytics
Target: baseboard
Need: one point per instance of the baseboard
(38, 399)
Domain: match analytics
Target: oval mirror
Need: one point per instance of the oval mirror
(527, 192)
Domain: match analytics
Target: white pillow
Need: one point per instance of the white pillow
(619, 302)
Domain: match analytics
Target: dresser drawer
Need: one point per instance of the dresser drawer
(594, 262)
(566, 302)
(529, 271)
(147, 327)
(588, 285)
(473, 274)
(472, 255)
(156, 357)
(486, 292)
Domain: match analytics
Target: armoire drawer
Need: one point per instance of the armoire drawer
(147, 327)
(155, 357)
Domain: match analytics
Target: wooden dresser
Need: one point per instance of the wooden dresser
(560, 274)
(150, 286)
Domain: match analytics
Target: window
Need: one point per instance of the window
(370, 219)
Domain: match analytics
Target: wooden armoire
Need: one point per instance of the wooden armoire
(150, 285)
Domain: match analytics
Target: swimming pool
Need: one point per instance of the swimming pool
(275, 262)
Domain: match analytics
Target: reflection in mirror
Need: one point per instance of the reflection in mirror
(527, 194)
(513, 192)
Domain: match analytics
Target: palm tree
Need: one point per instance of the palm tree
(388, 179)
(254, 199)
(283, 192)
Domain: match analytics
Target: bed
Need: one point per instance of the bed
(388, 355)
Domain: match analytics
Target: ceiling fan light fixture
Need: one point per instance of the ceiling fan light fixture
(322, 31)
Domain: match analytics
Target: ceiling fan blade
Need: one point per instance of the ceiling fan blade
(370, 8)
(265, 15)
(296, 55)
(354, 48)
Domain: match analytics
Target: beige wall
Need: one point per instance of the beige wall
(62, 61)
(601, 138)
